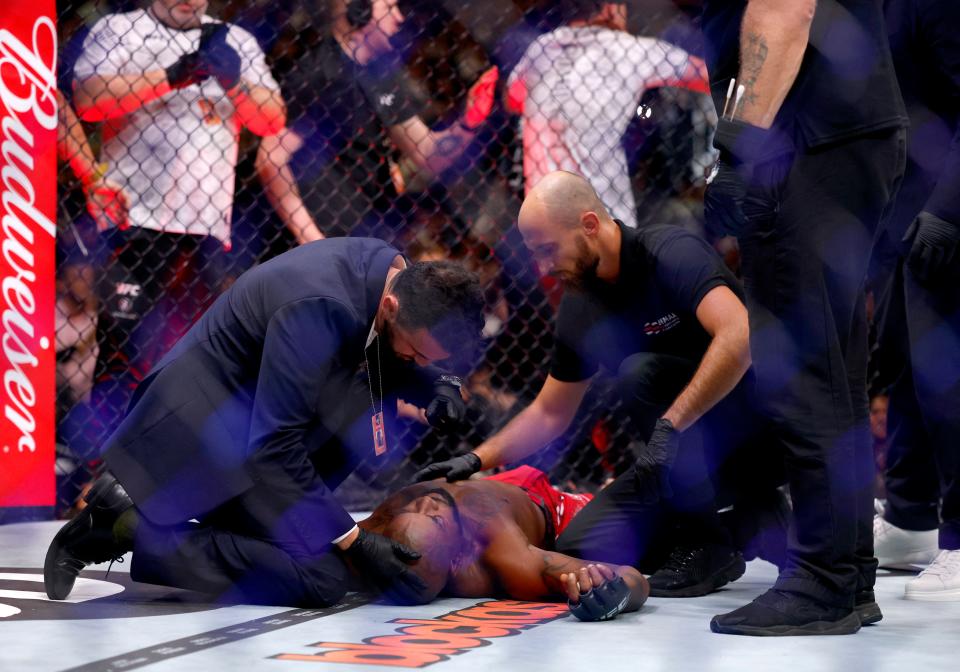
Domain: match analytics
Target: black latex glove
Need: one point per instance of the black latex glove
(655, 461)
(933, 255)
(217, 58)
(447, 409)
(455, 469)
(603, 602)
(723, 201)
(385, 563)
(185, 71)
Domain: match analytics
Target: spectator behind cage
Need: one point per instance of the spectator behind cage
(578, 88)
(172, 87)
(327, 172)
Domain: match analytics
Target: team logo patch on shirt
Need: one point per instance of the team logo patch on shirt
(661, 325)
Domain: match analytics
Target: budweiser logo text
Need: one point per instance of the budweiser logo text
(28, 94)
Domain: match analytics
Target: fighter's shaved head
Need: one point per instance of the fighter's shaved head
(559, 199)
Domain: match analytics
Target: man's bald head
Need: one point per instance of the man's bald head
(559, 199)
(561, 220)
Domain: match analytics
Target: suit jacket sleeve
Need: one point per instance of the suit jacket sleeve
(303, 344)
(417, 387)
(940, 21)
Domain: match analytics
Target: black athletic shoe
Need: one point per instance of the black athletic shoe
(692, 572)
(778, 613)
(86, 539)
(866, 606)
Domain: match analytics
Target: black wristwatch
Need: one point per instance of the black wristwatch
(448, 379)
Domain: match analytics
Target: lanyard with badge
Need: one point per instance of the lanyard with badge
(376, 419)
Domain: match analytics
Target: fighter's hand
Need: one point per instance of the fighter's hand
(107, 204)
(455, 469)
(447, 410)
(386, 564)
(935, 251)
(217, 58)
(723, 201)
(480, 99)
(595, 593)
(655, 461)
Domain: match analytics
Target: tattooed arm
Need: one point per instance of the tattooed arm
(773, 39)
(433, 151)
(526, 572)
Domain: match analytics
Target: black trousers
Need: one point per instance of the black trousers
(811, 221)
(919, 328)
(718, 464)
(244, 552)
(248, 549)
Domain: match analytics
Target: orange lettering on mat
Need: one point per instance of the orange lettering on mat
(423, 642)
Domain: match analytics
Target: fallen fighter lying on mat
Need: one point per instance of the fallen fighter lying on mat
(491, 537)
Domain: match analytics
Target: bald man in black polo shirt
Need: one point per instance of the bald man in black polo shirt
(658, 309)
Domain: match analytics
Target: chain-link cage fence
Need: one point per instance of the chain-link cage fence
(191, 152)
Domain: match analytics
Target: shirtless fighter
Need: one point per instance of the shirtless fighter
(492, 537)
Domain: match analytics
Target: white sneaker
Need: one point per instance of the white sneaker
(897, 548)
(940, 582)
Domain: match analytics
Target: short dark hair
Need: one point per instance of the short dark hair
(443, 297)
(433, 569)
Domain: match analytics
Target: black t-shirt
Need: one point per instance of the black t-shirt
(846, 85)
(665, 271)
(341, 111)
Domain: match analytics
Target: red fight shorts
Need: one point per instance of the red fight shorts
(560, 506)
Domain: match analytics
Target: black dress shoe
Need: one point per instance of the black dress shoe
(778, 613)
(692, 572)
(865, 604)
(86, 539)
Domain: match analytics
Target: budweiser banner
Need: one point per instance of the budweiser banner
(28, 135)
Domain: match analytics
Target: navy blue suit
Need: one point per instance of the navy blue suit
(250, 422)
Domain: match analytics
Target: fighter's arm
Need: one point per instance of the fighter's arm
(273, 168)
(773, 38)
(538, 424)
(526, 572)
(724, 317)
